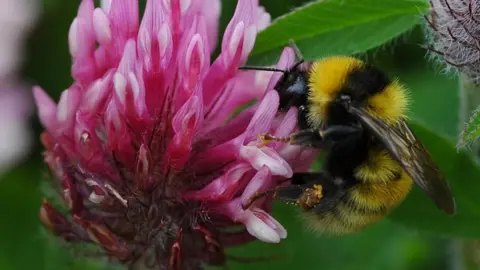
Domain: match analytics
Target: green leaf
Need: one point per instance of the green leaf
(337, 27)
(419, 212)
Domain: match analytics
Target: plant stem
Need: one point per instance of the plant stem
(469, 96)
(467, 253)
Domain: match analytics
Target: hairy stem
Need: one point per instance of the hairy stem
(469, 95)
(467, 255)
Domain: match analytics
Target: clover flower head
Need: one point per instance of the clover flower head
(148, 160)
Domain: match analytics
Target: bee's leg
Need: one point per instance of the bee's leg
(340, 132)
(307, 138)
(307, 190)
(302, 121)
(313, 190)
(287, 194)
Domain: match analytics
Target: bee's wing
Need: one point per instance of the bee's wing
(405, 147)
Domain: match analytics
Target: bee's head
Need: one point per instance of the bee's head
(292, 87)
(347, 81)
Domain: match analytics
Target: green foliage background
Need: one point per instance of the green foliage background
(416, 236)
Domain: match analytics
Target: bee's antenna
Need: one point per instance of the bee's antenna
(298, 54)
(297, 64)
(263, 68)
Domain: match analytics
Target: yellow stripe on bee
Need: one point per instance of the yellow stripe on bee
(375, 196)
(379, 167)
(344, 222)
(327, 77)
(326, 223)
(356, 219)
(391, 104)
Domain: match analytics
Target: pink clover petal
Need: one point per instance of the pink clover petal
(67, 106)
(223, 187)
(262, 225)
(264, 156)
(263, 117)
(270, 221)
(129, 57)
(287, 59)
(101, 26)
(47, 109)
(243, 18)
(95, 96)
(237, 43)
(288, 124)
(260, 229)
(211, 11)
(105, 5)
(261, 181)
(263, 18)
(238, 92)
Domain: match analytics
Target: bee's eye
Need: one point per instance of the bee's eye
(346, 99)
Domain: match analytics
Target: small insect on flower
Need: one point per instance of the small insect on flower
(355, 112)
(150, 164)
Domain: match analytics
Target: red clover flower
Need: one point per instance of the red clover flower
(146, 155)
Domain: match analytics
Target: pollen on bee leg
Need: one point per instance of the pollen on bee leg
(310, 197)
(318, 191)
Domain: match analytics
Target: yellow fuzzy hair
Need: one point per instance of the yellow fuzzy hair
(379, 167)
(391, 104)
(373, 196)
(328, 76)
(370, 197)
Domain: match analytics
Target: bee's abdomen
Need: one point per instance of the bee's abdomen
(381, 185)
(368, 202)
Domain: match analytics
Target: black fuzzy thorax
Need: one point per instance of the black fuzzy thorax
(361, 83)
(346, 155)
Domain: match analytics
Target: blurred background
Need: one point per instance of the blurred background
(37, 31)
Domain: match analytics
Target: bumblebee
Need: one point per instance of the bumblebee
(357, 114)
